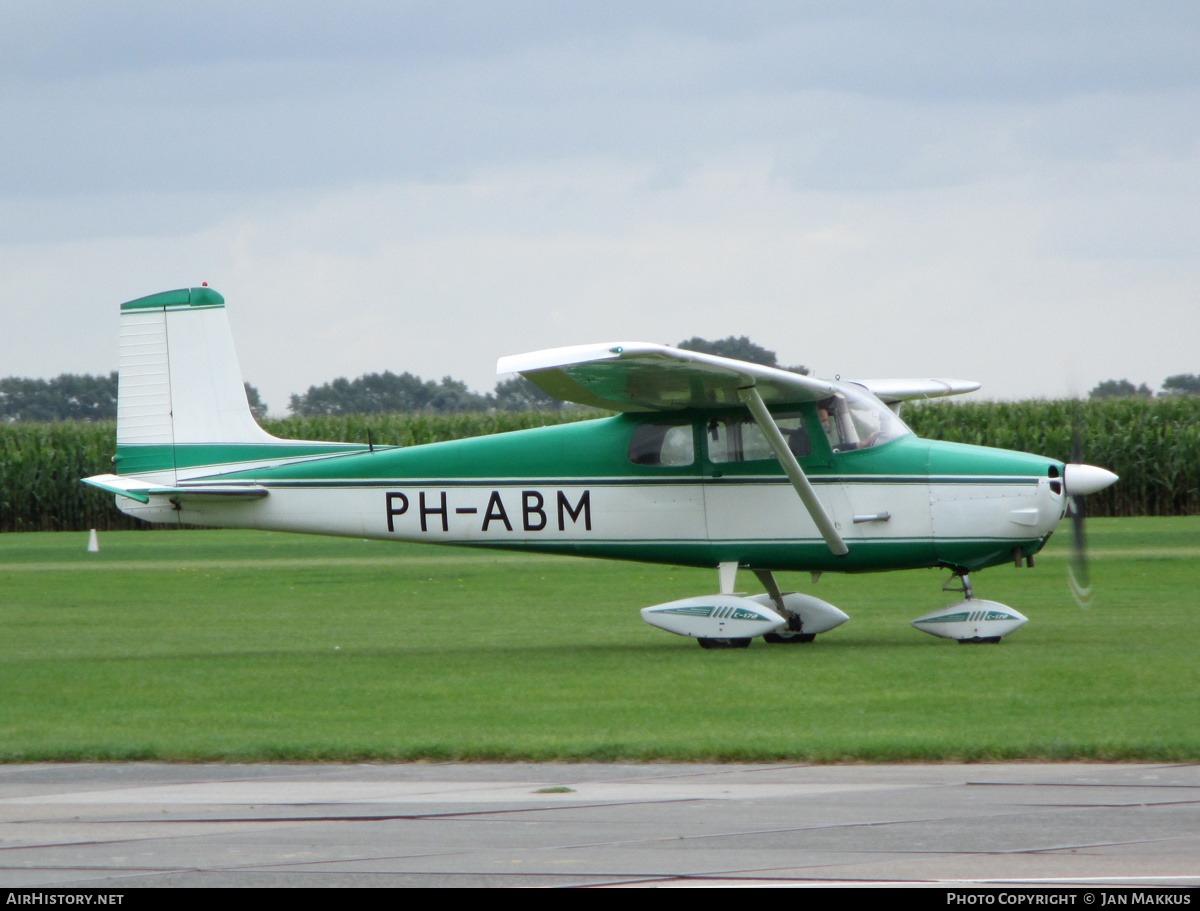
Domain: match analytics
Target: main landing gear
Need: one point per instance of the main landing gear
(795, 632)
(731, 620)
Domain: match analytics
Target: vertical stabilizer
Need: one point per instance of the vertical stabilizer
(180, 383)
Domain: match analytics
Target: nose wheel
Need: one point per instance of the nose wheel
(971, 620)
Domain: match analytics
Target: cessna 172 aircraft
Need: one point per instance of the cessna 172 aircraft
(712, 463)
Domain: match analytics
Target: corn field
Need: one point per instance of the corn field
(41, 464)
(1154, 445)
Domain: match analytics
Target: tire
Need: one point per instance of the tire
(786, 638)
(724, 643)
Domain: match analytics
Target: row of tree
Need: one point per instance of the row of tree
(388, 393)
(740, 349)
(1179, 384)
(94, 398)
(69, 397)
(74, 397)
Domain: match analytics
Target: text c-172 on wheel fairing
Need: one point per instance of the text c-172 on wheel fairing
(712, 463)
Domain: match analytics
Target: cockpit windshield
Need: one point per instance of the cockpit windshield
(854, 419)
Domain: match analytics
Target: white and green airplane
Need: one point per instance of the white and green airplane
(712, 462)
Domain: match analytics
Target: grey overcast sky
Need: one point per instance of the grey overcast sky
(1000, 191)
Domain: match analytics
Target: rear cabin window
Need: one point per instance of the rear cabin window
(738, 439)
(667, 445)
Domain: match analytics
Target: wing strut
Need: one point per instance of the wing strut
(795, 473)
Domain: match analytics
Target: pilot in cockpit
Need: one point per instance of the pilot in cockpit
(829, 424)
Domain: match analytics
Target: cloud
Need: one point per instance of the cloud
(864, 187)
(170, 98)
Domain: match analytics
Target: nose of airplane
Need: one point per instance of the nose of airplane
(1080, 480)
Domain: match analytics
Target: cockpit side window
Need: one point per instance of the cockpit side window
(667, 445)
(854, 419)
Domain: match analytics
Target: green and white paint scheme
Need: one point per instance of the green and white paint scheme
(711, 462)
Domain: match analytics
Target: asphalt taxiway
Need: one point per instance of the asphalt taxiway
(120, 826)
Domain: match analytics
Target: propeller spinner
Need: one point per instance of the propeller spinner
(1080, 480)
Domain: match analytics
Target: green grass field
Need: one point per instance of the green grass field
(217, 645)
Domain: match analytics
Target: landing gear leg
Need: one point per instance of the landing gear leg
(969, 594)
(965, 588)
(793, 633)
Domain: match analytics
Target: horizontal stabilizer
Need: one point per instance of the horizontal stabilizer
(136, 489)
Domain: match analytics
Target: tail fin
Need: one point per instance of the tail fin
(182, 413)
(180, 384)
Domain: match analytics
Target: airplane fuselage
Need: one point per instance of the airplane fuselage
(667, 488)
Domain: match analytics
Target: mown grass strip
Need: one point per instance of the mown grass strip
(437, 654)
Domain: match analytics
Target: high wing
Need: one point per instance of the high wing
(892, 392)
(640, 376)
